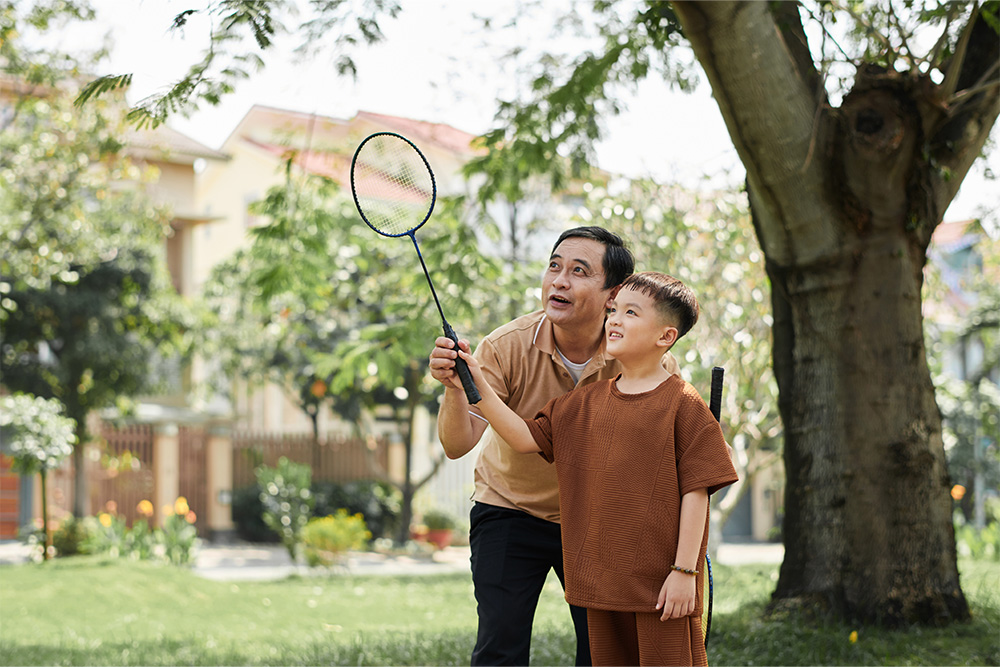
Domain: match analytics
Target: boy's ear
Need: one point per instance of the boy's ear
(668, 337)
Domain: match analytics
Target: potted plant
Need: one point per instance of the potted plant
(440, 527)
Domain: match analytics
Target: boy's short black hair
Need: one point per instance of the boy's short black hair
(618, 262)
(673, 299)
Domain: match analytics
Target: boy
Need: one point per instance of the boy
(637, 457)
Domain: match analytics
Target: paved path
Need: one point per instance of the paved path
(260, 562)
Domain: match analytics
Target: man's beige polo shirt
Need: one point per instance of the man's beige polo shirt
(521, 363)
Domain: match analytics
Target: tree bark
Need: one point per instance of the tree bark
(46, 533)
(844, 202)
(81, 483)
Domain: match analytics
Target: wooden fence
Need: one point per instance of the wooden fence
(192, 465)
(332, 458)
(122, 473)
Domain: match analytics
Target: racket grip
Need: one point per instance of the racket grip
(715, 403)
(462, 368)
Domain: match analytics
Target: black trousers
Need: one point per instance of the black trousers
(512, 553)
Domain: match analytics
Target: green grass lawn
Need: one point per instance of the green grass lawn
(89, 611)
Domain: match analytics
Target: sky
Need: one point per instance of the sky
(434, 67)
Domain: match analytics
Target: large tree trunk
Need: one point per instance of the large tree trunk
(844, 202)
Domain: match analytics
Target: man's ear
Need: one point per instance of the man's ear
(612, 295)
(668, 337)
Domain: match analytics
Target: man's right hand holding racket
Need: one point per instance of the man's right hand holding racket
(442, 361)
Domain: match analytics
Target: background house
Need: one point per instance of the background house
(259, 149)
(172, 157)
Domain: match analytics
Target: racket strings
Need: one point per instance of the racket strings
(393, 186)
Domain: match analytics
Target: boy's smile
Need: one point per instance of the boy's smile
(634, 325)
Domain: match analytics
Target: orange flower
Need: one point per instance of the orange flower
(191, 517)
(181, 506)
(111, 506)
(145, 508)
(318, 389)
(958, 492)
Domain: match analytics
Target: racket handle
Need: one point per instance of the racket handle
(462, 368)
(715, 403)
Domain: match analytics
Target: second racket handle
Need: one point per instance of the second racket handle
(462, 369)
(715, 402)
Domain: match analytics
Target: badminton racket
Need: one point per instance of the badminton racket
(394, 190)
(715, 407)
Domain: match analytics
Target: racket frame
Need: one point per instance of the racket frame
(427, 166)
(461, 367)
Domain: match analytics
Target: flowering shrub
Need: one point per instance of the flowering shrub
(72, 536)
(179, 536)
(325, 540)
(174, 542)
(110, 536)
(35, 433)
(287, 500)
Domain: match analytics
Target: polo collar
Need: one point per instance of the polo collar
(545, 341)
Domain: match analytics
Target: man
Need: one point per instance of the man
(514, 536)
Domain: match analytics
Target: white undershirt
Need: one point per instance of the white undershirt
(574, 369)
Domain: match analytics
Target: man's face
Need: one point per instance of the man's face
(573, 291)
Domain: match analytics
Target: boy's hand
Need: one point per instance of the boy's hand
(474, 368)
(677, 595)
(442, 361)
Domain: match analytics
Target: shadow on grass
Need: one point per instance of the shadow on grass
(550, 646)
(125, 616)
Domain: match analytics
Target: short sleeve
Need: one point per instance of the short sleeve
(702, 455)
(541, 430)
(490, 362)
(670, 364)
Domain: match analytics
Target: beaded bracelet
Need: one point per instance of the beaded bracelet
(684, 570)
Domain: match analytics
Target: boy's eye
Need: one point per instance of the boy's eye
(630, 312)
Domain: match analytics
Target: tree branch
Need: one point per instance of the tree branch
(951, 78)
(767, 94)
(982, 85)
(957, 139)
(935, 52)
(438, 462)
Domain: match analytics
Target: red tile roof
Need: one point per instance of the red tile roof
(949, 233)
(170, 143)
(420, 131)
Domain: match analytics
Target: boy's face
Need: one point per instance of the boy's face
(635, 326)
(573, 293)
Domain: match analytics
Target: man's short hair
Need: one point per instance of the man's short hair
(674, 300)
(618, 261)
